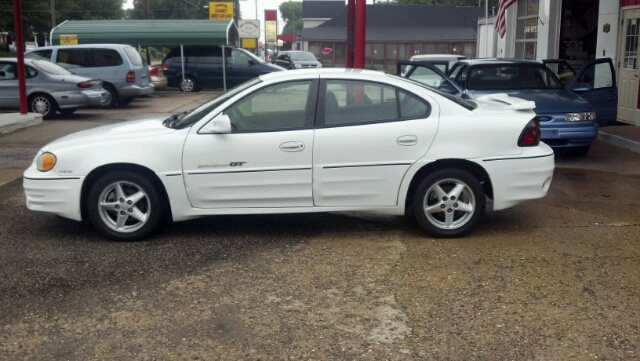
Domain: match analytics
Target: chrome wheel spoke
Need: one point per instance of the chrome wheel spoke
(440, 193)
(122, 220)
(119, 191)
(456, 191)
(465, 207)
(137, 214)
(448, 219)
(135, 198)
(433, 209)
(109, 206)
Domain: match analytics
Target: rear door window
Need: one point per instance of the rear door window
(105, 57)
(133, 55)
(39, 54)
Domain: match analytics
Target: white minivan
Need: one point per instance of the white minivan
(120, 67)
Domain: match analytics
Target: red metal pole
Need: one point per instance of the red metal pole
(351, 15)
(360, 33)
(22, 85)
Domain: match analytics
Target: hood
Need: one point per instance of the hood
(273, 67)
(125, 131)
(548, 101)
(306, 62)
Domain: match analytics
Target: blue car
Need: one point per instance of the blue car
(567, 120)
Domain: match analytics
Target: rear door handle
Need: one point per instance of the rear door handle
(292, 147)
(407, 140)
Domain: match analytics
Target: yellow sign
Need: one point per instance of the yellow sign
(249, 43)
(271, 32)
(220, 11)
(68, 39)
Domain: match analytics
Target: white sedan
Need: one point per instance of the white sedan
(304, 141)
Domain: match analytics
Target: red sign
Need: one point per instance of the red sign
(327, 50)
(271, 15)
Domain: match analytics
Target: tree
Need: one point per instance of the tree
(291, 13)
(170, 9)
(36, 14)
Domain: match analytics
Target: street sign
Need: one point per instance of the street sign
(220, 11)
(271, 31)
(249, 29)
(68, 39)
(249, 43)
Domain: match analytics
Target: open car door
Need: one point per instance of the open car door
(561, 68)
(430, 75)
(595, 82)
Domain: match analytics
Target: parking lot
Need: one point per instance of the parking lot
(553, 279)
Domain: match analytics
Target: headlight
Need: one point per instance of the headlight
(575, 117)
(319, 65)
(46, 161)
(297, 66)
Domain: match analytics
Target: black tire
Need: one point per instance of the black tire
(43, 104)
(67, 112)
(108, 212)
(579, 151)
(188, 85)
(465, 213)
(113, 98)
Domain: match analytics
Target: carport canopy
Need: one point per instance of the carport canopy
(146, 32)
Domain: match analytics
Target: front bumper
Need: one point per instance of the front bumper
(53, 194)
(521, 178)
(559, 133)
(79, 99)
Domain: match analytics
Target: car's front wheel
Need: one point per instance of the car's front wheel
(43, 104)
(449, 203)
(124, 206)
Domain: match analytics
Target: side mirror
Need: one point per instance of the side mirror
(218, 125)
(581, 87)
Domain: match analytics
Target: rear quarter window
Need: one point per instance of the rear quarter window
(105, 57)
(133, 55)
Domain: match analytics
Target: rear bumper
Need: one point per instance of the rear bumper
(134, 90)
(522, 178)
(53, 194)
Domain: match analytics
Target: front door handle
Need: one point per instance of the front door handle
(407, 140)
(292, 147)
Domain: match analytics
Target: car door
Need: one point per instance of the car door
(595, 82)
(429, 74)
(9, 94)
(367, 136)
(561, 68)
(266, 159)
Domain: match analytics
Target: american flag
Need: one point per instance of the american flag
(501, 25)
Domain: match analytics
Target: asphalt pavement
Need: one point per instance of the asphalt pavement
(552, 279)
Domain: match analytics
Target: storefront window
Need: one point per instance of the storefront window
(326, 54)
(314, 48)
(378, 56)
(527, 29)
(469, 50)
(367, 56)
(392, 56)
(431, 49)
(457, 49)
(418, 48)
(444, 48)
(339, 57)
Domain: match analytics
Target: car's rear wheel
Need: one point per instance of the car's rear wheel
(113, 98)
(188, 85)
(124, 206)
(449, 203)
(125, 101)
(43, 104)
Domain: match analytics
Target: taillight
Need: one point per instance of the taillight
(154, 71)
(165, 68)
(530, 136)
(131, 77)
(89, 84)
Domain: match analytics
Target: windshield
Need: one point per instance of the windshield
(302, 56)
(511, 76)
(51, 68)
(250, 55)
(468, 104)
(186, 119)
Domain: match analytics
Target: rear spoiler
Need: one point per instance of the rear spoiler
(512, 102)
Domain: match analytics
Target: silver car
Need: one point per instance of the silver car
(50, 88)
